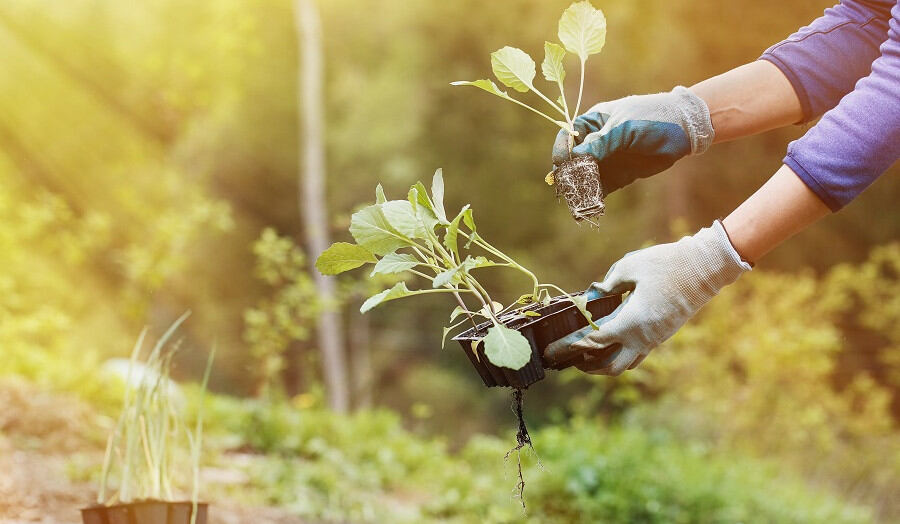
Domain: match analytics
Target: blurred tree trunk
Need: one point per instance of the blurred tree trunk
(361, 363)
(312, 197)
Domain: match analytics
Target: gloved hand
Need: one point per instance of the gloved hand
(638, 136)
(669, 283)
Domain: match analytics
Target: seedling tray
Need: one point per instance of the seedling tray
(145, 512)
(559, 318)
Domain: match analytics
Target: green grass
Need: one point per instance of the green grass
(367, 468)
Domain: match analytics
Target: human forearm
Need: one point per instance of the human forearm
(781, 208)
(749, 99)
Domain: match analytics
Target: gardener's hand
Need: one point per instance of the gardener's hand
(668, 284)
(638, 136)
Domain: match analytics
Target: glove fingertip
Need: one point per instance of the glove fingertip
(622, 362)
(564, 347)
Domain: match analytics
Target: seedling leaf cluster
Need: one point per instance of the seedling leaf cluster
(416, 237)
(582, 32)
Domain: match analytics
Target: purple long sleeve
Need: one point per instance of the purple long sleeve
(847, 65)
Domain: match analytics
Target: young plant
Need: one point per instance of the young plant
(582, 32)
(142, 444)
(416, 237)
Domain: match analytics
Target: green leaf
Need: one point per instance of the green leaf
(526, 299)
(341, 257)
(398, 291)
(372, 231)
(495, 306)
(402, 217)
(580, 302)
(513, 68)
(445, 277)
(450, 237)
(444, 336)
(487, 85)
(422, 196)
(474, 263)
(474, 345)
(531, 313)
(394, 263)
(506, 347)
(457, 312)
(413, 198)
(469, 219)
(379, 195)
(437, 194)
(552, 66)
(424, 206)
(465, 266)
(582, 29)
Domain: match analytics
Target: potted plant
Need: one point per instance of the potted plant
(415, 237)
(140, 448)
(581, 31)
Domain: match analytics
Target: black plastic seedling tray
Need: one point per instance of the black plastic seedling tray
(558, 319)
(145, 512)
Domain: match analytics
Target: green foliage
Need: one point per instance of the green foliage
(342, 257)
(582, 30)
(285, 317)
(514, 68)
(132, 135)
(754, 372)
(506, 347)
(141, 449)
(366, 468)
(866, 298)
(389, 225)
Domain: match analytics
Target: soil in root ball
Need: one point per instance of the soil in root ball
(522, 439)
(578, 182)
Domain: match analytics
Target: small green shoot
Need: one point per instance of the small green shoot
(582, 32)
(141, 447)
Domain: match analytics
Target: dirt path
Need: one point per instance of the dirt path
(39, 432)
(34, 488)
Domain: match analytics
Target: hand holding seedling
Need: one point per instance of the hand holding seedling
(415, 237)
(638, 136)
(582, 32)
(668, 284)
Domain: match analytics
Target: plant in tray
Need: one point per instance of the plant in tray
(142, 451)
(582, 32)
(416, 237)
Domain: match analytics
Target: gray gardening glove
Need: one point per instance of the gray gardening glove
(669, 283)
(638, 136)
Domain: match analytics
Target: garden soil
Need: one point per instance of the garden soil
(40, 433)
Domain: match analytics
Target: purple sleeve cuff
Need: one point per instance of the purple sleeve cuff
(845, 65)
(796, 83)
(812, 183)
(824, 60)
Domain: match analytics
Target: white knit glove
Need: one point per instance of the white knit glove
(669, 283)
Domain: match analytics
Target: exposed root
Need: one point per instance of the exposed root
(578, 182)
(522, 439)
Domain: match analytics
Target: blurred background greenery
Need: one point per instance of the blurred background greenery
(149, 165)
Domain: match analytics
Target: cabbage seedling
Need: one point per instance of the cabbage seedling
(415, 237)
(582, 32)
